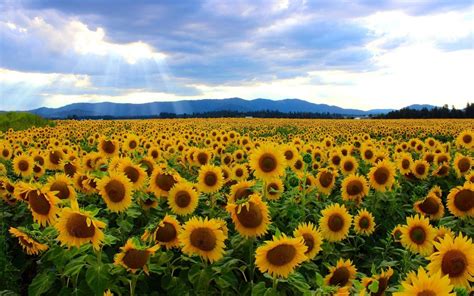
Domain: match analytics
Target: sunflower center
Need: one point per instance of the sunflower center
(383, 283)
(77, 226)
(251, 217)
(148, 165)
(336, 160)
(165, 181)
(165, 233)
(381, 175)
(418, 235)
(108, 146)
(443, 170)
(364, 222)
(5, 152)
(454, 263)
(464, 200)
(242, 193)
(202, 158)
(335, 222)
(203, 239)
(25, 242)
(132, 144)
(154, 154)
(23, 165)
(239, 172)
(289, 154)
(62, 188)
(420, 169)
(348, 166)
(467, 139)
(325, 179)
(340, 277)
(210, 179)
(55, 157)
(135, 259)
(132, 173)
(298, 164)
(182, 199)
(309, 242)
(426, 292)
(39, 203)
(267, 163)
(429, 206)
(368, 154)
(115, 191)
(354, 187)
(281, 254)
(464, 164)
(70, 169)
(272, 189)
(442, 158)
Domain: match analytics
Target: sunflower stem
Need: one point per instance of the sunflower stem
(275, 283)
(133, 284)
(251, 261)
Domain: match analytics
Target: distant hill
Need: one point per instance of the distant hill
(196, 106)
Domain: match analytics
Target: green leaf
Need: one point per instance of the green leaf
(193, 274)
(374, 286)
(97, 277)
(297, 280)
(319, 280)
(259, 289)
(41, 283)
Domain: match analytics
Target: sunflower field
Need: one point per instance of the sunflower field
(238, 207)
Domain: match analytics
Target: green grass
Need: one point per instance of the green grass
(22, 121)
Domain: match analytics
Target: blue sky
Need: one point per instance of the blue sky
(357, 54)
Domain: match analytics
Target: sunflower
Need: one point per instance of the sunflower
(335, 222)
(312, 238)
(382, 175)
(251, 218)
(325, 180)
(62, 186)
(274, 189)
(116, 190)
(31, 246)
(23, 165)
(364, 222)
(133, 257)
(3, 170)
(77, 227)
(131, 143)
(420, 168)
(383, 278)
(349, 165)
(342, 274)
(290, 152)
(183, 199)
(133, 172)
(165, 233)
(280, 256)
(54, 159)
(469, 177)
(442, 170)
(210, 179)
(6, 152)
(162, 180)
(397, 232)
(430, 206)
(461, 200)
(241, 190)
(203, 237)
(268, 162)
(240, 172)
(418, 235)
(298, 165)
(462, 164)
(455, 258)
(465, 139)
(354, 187)
(427, 284)
(108, 148)
(42, 204)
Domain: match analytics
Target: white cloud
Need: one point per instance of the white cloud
(10, 77)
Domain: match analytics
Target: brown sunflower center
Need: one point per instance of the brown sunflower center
(272, 189)
(165, 181)
(442, 158)
(115, 190)
(76, 226)
(426, 292)
(326, 179)
(464, 164)
(418, 235)
(25, 242)
(251, 216)
(5, 152)
(464, 200)
(37, 169)
(281, 254)
(132, 173)
(165, 233)
(454, 263)
(336, 159)
(420, 169)
(108, 146)
(182, 198)
(70, 169)
(340, 277)
(354, 187)
(309, 242)
(210, 179)
(348, 166)
(368, 154)
(239, 172)
(62, 188)
(38, 203)
(23, 165)
(429, 206)
(364, 222)
(298, 164)
(203, 239)
(335, 222)
(135, 259)
(202, 158)
(132, 144)
(289, 154)
(55, 157)
(383, 284)
(467, 139)
(267, 163)
(242, 193)
(154, 154)
(443, 170)
(381, 175)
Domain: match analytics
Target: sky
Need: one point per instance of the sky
(363, 54)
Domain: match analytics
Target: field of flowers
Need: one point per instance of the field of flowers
(238, 207)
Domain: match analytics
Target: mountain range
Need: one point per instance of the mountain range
(126, 110)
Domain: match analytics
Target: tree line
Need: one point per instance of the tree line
(435, 112)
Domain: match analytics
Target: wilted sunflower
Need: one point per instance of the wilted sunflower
(280, 256)
(425, 284)
(203, 237)
(162, 180)
(251, 218)
(342, 274)
(133, 172)
(455, 258)
(418, 235)
(116, 190)
(210, 179)
(268, 162)
(382, 176)
(461, 200)
(349, 165)
(274, 189)
(77, 227)
(42, 204)
(165, 233)
(312, 238)
(133, 257)
(62, 186)
(241, 190)
(430, 206)
(183, 199)
(28, 244)
(23, 165)
(383, 278)
(364, 222)
(354, 187)
(462, 164)
(420, 168)
(325, 180)
(335, 222)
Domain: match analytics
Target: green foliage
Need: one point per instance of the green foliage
(22, 121)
